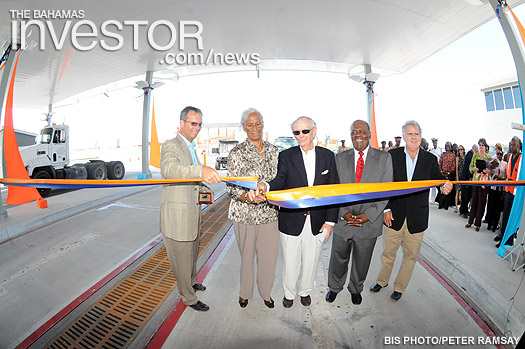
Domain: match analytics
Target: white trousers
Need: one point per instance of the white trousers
(297, 251)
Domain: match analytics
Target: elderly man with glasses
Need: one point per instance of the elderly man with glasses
(302, 231)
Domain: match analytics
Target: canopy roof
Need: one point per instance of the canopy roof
(337, 36)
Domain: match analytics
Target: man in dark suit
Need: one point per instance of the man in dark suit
(406, 216)
(302, 166)
(466, 190)
(361, 223)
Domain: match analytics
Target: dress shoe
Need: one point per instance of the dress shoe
(468, 225)
(200, 306)
(287, 303)
(497, 238)
(270, 304)
(477, 228)
(199, 287)
(306, 301)
(462, 215)
(497, 245)
(376, 287)
(356, 298)
(396, 295)
(330, 296)
(243, 302)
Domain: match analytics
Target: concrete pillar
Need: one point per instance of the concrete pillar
(145, 125)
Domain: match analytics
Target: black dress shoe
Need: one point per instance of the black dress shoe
(396, 295)
(199, 287)
(287, 303)
(330, 296)
(497, 245)
(497, 238)
(270, 304)
(200, 306)
(306, 301)
(356, 298)
(462, 215)
(243, 302)
(376, 287)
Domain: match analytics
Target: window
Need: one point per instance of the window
(489, 99)
(507, 95)
(517, 96)
(498, 98)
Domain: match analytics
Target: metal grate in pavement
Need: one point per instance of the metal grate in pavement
(116, 319)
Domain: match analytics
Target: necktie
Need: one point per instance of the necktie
(359, 167)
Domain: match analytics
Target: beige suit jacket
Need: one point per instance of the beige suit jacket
(180, 212)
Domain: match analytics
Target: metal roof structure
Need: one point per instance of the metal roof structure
(337, 36)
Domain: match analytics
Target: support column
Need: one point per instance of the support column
(368, 70)
(7, 72)
(145, 125)
(517, 47)
(49, 114)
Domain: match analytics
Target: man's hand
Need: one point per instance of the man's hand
(210, 176)
(257, 195)
(447, 188)
(388, 218)
(329, 229)
(355, 220)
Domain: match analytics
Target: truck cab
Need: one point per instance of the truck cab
(51, 150)
(225, 145)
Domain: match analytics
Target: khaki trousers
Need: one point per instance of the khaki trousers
(183, 259)
(260, 242)
(411, 246)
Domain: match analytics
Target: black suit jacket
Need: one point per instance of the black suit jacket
(466, 175)
(413, 207)
(291, 173)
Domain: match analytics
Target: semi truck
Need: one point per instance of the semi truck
(225, 145)
(49, 159)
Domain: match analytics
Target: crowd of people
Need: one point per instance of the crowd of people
(260, 227)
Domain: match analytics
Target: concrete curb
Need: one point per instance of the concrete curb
(10, 232)
(481, 290)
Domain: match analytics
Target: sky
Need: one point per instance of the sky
(442, 93)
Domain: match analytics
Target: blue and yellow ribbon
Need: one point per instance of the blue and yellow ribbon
(246, 182)
(296, 198)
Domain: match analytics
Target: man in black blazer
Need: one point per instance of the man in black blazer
(362, 222)
(406, 216)
(303, 166)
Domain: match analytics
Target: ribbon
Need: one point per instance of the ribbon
(332, 194)
(304, 197)
(246, 182)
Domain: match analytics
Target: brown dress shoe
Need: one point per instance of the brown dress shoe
(270, 304)
(287, 303)
(306, 301)
(243, 302)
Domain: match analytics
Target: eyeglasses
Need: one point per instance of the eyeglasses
(193, 123)
(461, 149)
(305, 132)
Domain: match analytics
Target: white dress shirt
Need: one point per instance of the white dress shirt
(356, 157)
(309, 165)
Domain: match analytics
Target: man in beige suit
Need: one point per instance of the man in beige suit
(180, 211)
